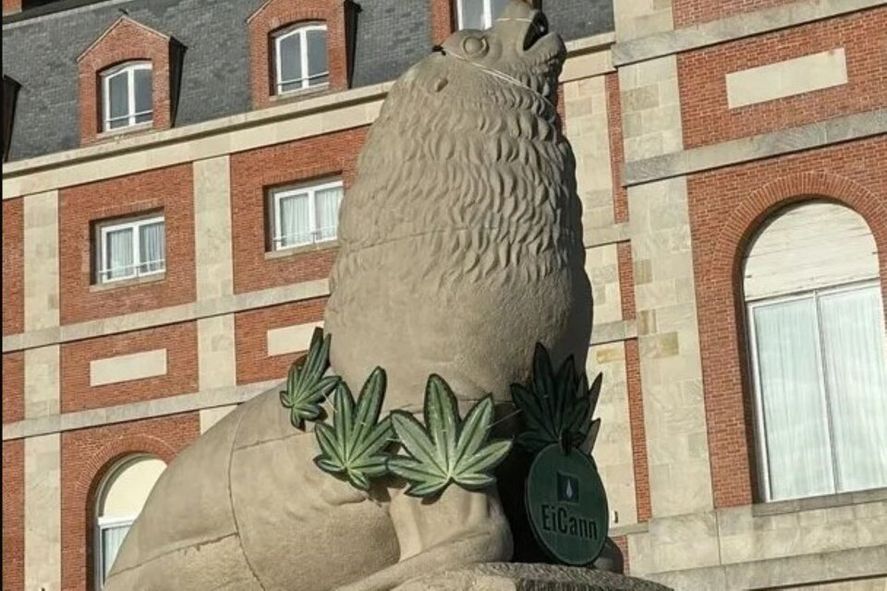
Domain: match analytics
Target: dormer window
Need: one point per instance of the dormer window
(300, 57)
(127, 95)
(479, 14)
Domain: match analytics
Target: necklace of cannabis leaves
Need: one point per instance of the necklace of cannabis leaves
(447, 449)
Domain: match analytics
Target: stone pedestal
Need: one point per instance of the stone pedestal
(527, 577)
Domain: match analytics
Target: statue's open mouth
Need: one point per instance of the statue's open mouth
(537, 29)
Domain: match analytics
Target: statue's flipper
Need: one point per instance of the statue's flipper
(461, 528)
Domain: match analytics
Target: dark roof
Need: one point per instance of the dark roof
(41, 46)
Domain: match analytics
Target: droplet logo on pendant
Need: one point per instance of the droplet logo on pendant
(567, 505)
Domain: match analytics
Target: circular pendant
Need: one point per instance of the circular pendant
(567, 505)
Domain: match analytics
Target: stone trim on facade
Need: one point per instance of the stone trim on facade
(127, 40)
(735, 27)
(135, 411)
(821, 134)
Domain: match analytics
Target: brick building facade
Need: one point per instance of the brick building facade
(704, 132)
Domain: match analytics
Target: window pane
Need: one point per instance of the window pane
(290, 49)
(497, 6)
(472, 14)
(118, 254)
(317, 57)
(295, 221)
(118, 90)
(327, 207)
(143, 90)
(151, 247)
(795, 426)
(853, 334)
(112, 539)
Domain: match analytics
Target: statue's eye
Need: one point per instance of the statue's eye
(474, 46)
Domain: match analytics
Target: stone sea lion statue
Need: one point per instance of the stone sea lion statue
(461, 247)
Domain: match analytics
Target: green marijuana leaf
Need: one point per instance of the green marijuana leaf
(556, 407)
(354, 443)
(306, 387)
(449, 449)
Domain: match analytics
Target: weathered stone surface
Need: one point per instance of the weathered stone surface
(460, 249)
(461, 242)
(527, 577)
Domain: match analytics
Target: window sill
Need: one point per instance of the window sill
(121, 131)
(303, 93)
(99, 287)
(296, 250)
(823, 502)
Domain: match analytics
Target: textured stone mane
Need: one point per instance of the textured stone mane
(465, 202)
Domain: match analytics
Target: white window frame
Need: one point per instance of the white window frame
(488, 13)
(305, 82)
(134, 225)
(103, 523)
(761, 438)
(278, 195)
(128, 69)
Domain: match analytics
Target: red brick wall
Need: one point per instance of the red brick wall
(278, 14)
(13, 387)
(169, 189)
(13, 515)
(689, 12)
(443, 20)
(124, 41)
(252, 173)
(626, 280)
(180, 342)
(706, 118)
(11, 6)
(622, 543)
(726, 208)
(638, 431)
(617, 148)
(250, 333)
(86, 456)
(13, 267)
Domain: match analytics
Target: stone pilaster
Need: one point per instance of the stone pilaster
(42, 393)
(215, 279)
(43, 548)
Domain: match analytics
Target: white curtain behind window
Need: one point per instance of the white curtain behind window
(152, 246)
(118, 91)
(119, 254)
(295, 220)
(289, 56)
(496, 8)
(112, 540)
(472, 14)
(317, 58)
(856, 374)
(143, 99)
(797, 442)
(327, 209)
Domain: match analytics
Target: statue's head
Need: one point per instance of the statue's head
(518, 46)
(516, 61)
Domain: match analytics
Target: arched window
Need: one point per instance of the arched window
(300, 57)
(120, 499)
(479, 14)
(817, 346)
(127, 95)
